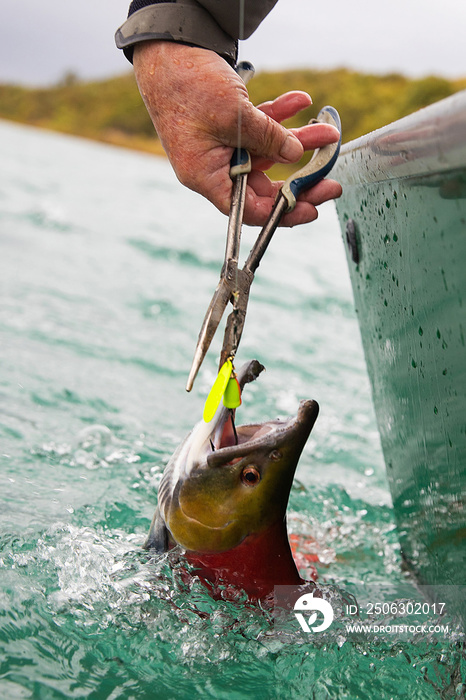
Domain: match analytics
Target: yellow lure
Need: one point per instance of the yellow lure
(232, 395)
(217, 391)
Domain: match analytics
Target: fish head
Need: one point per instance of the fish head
(224, 483)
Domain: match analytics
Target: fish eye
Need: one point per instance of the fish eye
(250, 476)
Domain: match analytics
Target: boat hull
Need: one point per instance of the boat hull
(403, 219)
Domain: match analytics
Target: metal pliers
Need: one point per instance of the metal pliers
(235, 283)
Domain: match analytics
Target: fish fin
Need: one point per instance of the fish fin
(157, 540)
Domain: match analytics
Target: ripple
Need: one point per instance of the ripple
(185, 257)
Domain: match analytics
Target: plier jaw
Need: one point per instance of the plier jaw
(235, 284)
(229, 287)
(237, 317)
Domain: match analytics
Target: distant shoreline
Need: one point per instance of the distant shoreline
(111, 111)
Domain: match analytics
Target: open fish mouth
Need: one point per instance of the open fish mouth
(220, 442)
(229, 442)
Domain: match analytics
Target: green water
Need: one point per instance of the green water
(106, 269)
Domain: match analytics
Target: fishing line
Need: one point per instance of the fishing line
(238, 149)
(233, 426)
(240, 34)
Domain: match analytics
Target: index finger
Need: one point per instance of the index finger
(286, 105)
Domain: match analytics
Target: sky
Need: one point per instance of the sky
(42, 40)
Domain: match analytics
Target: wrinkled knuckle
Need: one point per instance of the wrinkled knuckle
(273, 137)
(269, 134)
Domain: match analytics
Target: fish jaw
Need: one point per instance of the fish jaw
(215, 508)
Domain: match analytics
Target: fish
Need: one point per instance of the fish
(223, 497)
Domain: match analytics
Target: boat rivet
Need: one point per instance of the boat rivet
(352, 240)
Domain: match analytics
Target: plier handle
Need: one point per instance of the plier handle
(235, 283)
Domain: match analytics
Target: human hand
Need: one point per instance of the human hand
(201, 111)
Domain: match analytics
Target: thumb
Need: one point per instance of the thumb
(266, 138)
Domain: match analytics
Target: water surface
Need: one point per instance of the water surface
(106, 270)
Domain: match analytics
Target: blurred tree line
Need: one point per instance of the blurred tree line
(112, 110)
(108, 110)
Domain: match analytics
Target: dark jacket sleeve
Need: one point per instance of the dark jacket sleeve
(211, 24)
